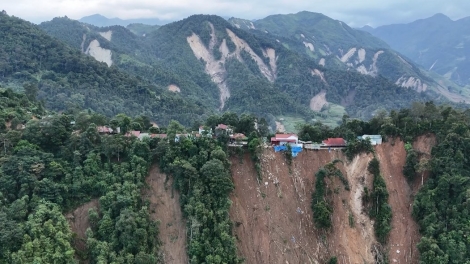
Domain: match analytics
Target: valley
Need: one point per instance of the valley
(225, 140)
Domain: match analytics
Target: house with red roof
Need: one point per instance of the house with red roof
(158, 135)
(223, 129)
(282, 139)
(334, 142)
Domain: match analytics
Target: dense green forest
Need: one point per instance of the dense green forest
(67, 80)
(50, 165)
(163, 57)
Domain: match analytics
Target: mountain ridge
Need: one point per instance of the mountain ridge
(102, 21)
(437, 43)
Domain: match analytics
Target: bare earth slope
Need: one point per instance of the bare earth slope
(405, 231)
(273, 220)
(165, 207)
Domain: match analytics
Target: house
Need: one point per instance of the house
(222, 129)
(161, 136)
(238, 138)
(282, 139)
(334, 143)
(374, 139)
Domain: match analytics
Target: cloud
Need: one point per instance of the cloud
(355, 13)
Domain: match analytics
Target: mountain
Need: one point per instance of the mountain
(209, 60)
(102, 21)
(437, 43)
(67, 79)
(332, 43)
(141, 29)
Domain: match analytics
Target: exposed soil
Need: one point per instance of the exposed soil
(319, 74)
(165, 207)
(412, 82)
(309, 46)
(271, 55)
(100, 54)
(280, 127)
(348, 55)
(174, 88)
(353, 243)
(241, 44)
(215, 68)
(423, 145)
(79, 222)
(107, 35)
(361, 55)
(405, 231)
(273, 219)
(318, 101)
(373, 68)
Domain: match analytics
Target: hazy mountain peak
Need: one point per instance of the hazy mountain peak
(440, 16)
(102, 21)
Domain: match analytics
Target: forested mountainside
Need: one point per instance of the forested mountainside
(68, 80)
(437, 43)
(50, 166)
(207, 59)
(334, 44)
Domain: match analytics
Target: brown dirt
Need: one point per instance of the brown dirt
(79, 222)
(280, 127)
(273, 219)
(165, 207)
(405, 231)
(174, 88)
(353, 244)
(423, 145)
(318, 101)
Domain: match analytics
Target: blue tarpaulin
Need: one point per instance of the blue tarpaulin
(280, 148)
(295, 150)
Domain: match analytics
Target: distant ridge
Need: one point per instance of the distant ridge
(102, 21)
(437, 43)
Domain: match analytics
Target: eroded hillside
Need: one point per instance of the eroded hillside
(273, 220)
(272, 216)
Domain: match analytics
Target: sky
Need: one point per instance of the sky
(355, 13)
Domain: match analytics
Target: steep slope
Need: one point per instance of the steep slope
(405, 231)
(258, 74)
(222, 67)
(165, 208)
(437, 43)
(69, 80)
(273, 218)
(332, 43)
